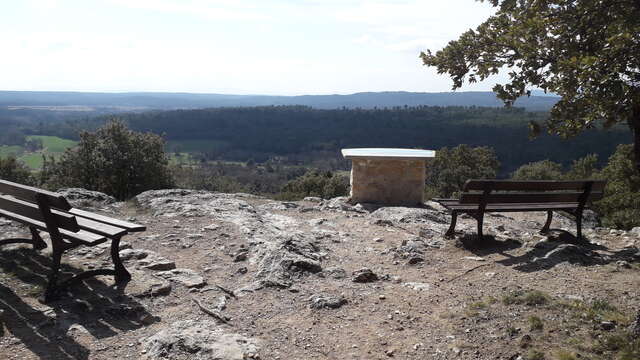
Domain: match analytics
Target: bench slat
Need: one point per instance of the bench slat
(28, 193)
(568, 197)
(30, 210)
(130, 227)
(100, 228)
(513, 207)
(82, 236)
(533, 185)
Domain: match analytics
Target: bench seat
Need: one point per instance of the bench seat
(482, 196)
(68, 228)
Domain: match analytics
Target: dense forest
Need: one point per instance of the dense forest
(303, 135)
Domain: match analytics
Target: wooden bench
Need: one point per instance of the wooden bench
(482, 196)
(68, 228)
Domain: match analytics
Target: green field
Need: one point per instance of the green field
(51, 145)
(6, 150)
(54, 144)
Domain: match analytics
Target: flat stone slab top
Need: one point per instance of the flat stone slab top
(388, 176)
(387, 153)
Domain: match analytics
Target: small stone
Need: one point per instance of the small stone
(390, 352)
(378, 240)
(186, 277)
(364, 275)
(335, 273)
(160, 264)
(138, 254)
(382, 297)
(525, 341)
(240, 256)
(212, 227)
(607, 325)
(325, 301)
(415, 260)
(623, 264)
(474, 258)
(417, 286)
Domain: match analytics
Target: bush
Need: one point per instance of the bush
(539, 170)
(621, 206)
(113, 160)
(324, 184)
(13, 170)
(452, 167)
(584, 168)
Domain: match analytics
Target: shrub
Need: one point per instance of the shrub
(539, 170)
(324, 184)
(530, 297)
(584, 168)
(621, 206)
(452, 167)
(113, 160)
(13, 170)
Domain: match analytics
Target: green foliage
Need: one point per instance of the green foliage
(324, 184)
(535, 323)
(621, 206)
(534, 355)
(300, 135)
(530, 298)
(230, 177)
(447, 173)
(585, 51)
(565, 355)
(539, 170)
(584, 168)
(621, 343)
(113, 160)
(13, 170)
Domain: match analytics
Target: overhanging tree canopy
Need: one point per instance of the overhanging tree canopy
(586, 51)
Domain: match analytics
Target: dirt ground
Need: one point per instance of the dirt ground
(515, 294)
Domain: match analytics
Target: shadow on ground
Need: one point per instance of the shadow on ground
(561, 247)
(100, 309)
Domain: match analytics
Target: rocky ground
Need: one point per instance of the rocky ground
(235, 276)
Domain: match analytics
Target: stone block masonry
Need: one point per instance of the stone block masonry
(392, 177)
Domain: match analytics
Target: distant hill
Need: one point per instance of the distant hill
(368, 100)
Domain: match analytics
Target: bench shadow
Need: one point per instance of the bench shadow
(562, 247)
(90, 306)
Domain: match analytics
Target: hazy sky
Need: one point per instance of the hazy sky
(285, 47)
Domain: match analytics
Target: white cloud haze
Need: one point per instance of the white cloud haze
(222, 46)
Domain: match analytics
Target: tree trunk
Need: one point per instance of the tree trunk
(635, 128)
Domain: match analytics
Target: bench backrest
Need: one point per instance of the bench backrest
(532, 191)
(37, 204)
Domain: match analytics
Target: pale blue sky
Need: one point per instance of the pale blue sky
(285, 47)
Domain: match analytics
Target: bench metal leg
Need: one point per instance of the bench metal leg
(36, 241)
(452, 227)
(121, 273)
(52, 284)
(579, 224)
(480, 219)
(547, 224)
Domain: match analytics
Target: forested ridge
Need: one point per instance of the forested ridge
(306, 134)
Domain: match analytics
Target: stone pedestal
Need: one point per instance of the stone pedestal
(388, 176)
